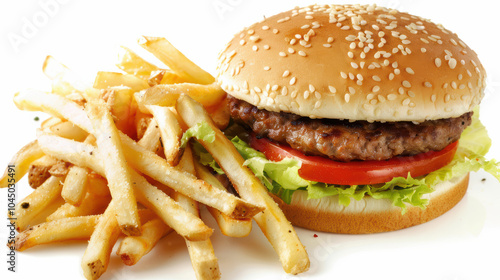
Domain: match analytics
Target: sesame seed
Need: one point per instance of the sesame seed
(454, 85)
(311, 88)
(461, 86)
(424, 40)
(410, 71)
(437, 62)
(286, 73)
(351, 76)
(347, 97)
(411, 93)
(406, 101)
(406, 42)
(433, 98)
(350, 54)
(327, 45)
(306, 94)
(267, 68)
(291, 50)
(332, 89)
(254, 38)
(391, 76)
(406, 84)
(250, 32)
(427, 84)
(276, 31)
(302, 53)
(317, 104)
(308, 17)
(423, 50)
(375, 88)
(317, 95)
(351, 90)
(255, 48)
(376, 78)
(352, 46)
(266, 47)
(381, 98)
(401, 90)
(282, 54)
(354, 65)
(257, 89)
(452, 63)
(330, 40)
(265, 27)
(343, 75)
(275, 87)
(391, 96)
(359, 76)
(447, 97)
(293, 80)
(294, 94)
(242, 42)
(305, 26)
(284, 91)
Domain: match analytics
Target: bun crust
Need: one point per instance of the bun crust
(352, 62)
(370, 215)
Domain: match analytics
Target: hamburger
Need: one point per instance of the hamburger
(361, 119)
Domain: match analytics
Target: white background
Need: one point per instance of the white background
(85, 35)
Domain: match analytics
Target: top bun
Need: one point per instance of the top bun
(352, 62)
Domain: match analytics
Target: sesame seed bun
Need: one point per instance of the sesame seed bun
(370, 215)
(352, 62)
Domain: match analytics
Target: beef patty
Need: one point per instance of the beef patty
(343, 140)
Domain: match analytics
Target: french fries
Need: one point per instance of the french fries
(20, 163)
(203, 259)
(115, 167)
(171, 213)
(175, 60)
(73, 228)
(131, 63)
(112, 148)
(75, 185)
(166, 95)
(35, 203)
(228, 226)
(133, 248)
(272, 221)
(170, 131)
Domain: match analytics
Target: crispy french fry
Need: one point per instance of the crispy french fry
(74, 228)
(120, 101)
(133, 248)
(140, 158)
(184, 223)
(151, 138)
(68, 130)
(105, 80)
(166, 95)
(272, 221)
(92, 204)
(39, 171)
(116, 168)
(75, 185)
(98, 185)
(220, 114)
(171, 133)
(228, 226)
(175, 60)
(96, 258)
(170, 77)
(30, 207)
(131, 63)
(203, 259)
(20, 163)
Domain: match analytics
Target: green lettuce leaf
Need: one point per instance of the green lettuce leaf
(282, 178)
(201, 131)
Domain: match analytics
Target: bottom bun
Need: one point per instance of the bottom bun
(370, 215)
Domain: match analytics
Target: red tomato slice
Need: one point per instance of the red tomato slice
(320, 169)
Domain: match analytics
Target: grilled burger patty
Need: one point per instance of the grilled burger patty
(342, 140)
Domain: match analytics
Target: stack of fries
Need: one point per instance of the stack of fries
(109, 163)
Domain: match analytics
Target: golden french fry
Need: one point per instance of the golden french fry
(140, 158)
(272, 221)
(39, 171)
(75, 185)
(98, 185)
(228, 226)
(170, 77)
(30, 207)
(96, 258)
(68, 130)
(166, 95)
(20, 163)
(175, 60)
(104, 80)
(74, 228)
(171, 133)
(131, 63)
(133, 248)
(220, 114)
(151, 138)
(202, 254)
(92, 204)
(81, 154)
(116, 168)
(120, 101)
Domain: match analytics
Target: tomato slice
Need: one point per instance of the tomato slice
(320, 169)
